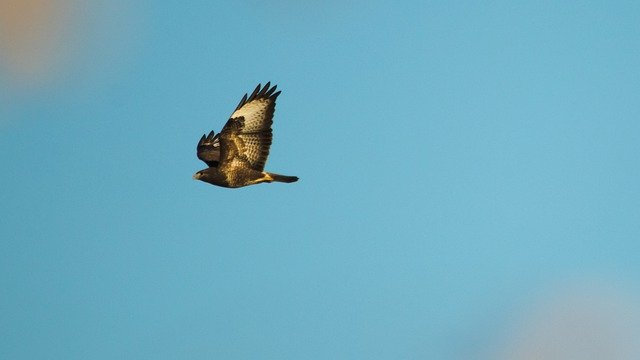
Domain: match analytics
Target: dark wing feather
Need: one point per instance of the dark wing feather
(209, 149)
(247, 136)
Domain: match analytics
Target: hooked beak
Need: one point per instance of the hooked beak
(197, 176)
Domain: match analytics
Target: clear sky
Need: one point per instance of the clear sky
(462, 168)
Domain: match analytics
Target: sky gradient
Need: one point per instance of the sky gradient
(469, 176)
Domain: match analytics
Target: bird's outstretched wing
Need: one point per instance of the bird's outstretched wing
(246, 137)
(209, 149)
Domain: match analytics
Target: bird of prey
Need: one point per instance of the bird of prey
(236, 156)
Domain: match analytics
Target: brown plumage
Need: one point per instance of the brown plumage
(237, 155)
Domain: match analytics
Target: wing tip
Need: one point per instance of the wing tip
(260, 92)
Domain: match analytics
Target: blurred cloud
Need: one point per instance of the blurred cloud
(33, 35)
(56, 50)
(42, 41)
(585, 321)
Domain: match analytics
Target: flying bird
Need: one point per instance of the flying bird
(236, 156)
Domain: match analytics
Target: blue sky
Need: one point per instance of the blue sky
(457, 161)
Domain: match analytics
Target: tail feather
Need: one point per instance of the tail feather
(282, 178)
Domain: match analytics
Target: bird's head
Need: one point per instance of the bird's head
(211, 176)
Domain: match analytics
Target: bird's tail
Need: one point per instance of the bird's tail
(282, 178)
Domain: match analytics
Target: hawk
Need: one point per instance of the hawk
(236, 156)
